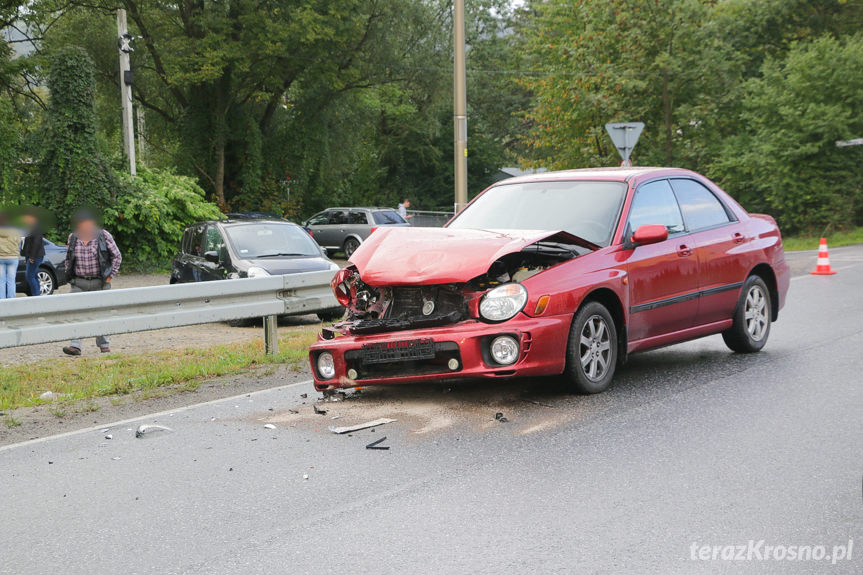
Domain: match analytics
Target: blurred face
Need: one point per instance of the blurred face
(407, 203)
(28, 220)
(86, 228)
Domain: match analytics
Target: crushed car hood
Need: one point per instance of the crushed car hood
(428, 256)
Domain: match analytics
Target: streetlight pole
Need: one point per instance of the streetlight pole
(459, 105)
(125, 48)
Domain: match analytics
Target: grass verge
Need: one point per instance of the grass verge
(834, 240)
(85, 378)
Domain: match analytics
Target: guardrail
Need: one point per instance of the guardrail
(27, 321)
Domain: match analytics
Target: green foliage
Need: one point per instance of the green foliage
(74, 174)
(785, 158)
(151, 212)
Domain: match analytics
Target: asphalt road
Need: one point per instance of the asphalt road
(693, 445)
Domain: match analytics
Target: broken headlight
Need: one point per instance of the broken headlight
(503, 302)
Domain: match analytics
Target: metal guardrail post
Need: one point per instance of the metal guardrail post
(271, 334)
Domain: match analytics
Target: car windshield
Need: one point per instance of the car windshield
(260, 240)
(385, 217)
(588, 210)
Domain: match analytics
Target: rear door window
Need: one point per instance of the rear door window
(701, 208)
(197, 241)
(357, 217)
(338, 218)
(384, 217)
(654, 203)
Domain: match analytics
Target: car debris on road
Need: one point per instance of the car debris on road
(146, 429)
(377, 444)
(358, 427)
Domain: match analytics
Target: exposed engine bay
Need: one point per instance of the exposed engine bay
(378, 309)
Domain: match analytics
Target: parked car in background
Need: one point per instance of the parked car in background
(248, 248)
(344, 229)
(560, 273)
(51, 274)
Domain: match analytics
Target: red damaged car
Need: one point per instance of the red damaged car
(556, 273)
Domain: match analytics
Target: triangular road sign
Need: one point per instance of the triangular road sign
(624, 136)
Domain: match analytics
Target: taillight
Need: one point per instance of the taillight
(311, 232)
(341, 287)
(373, 230)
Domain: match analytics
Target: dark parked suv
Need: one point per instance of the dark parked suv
(51, 274)
(247, 248)
(344, 229)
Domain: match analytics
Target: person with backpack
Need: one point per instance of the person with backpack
(92, 261)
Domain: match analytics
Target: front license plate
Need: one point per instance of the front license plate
(394, 351)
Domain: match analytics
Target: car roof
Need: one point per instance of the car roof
(362, 208)
(244, 221)
(615, 174)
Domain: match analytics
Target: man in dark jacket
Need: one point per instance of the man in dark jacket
(92, 261)
(33, 252)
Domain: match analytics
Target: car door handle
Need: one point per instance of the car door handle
(738, 238)
(684, 251)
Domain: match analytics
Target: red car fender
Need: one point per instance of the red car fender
(569, 283)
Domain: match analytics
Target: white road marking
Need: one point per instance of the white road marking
(834, 269)
(165, 413)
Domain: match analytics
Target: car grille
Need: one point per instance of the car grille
(425, 302)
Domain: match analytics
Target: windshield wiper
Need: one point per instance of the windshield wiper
(277, 254)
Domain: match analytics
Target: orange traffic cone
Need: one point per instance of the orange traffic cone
(822, 268)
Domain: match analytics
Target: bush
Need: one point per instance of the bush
(74, 174)
(150, 213)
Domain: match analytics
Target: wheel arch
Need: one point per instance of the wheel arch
(608, 298)
(352, 236)
(766, 273)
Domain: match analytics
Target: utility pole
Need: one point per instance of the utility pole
(124, 43)
(459, 105)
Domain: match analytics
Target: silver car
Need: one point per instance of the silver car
(344, 229)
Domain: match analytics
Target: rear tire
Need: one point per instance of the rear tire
(751, 326)
(350, 246)
(591, 354)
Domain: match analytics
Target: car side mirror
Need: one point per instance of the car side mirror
(649, 234)
(324, 251)
(212, 257)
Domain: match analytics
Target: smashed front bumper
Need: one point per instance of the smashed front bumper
(542, 349)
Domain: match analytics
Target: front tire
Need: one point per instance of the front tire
(751, 327)
(47, 282)
(591, 354)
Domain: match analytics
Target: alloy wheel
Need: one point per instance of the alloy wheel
(755, 313)
(46, 282)
(594, 348)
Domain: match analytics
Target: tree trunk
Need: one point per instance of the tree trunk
(220, 171)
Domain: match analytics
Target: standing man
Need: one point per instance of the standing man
(10, 239)
(92, 261)
(403, 209)
(33, 252)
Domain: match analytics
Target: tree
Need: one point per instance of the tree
(784, 159)
(73, 172)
